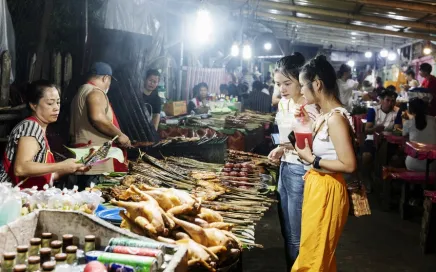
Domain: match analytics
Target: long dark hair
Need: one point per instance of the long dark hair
(320, 68)
(290, 66)
(35, 91)
(418, 107)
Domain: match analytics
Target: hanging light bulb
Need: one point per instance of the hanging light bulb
(203, 26)
(351, 63)
(427, 49)
(368, 54)
(384, 53)
(392, 56)
(246, 52)
(267, 46)
(235, 50)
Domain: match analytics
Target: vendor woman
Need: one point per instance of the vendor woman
(27, 159)
(291, 184)
(199, 104)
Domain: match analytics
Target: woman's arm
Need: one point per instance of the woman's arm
(339, 132)
(340, 136)
(191, 107)
(24, 166)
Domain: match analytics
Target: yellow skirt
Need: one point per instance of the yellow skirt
(325, 211)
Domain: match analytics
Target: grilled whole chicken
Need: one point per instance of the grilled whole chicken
(147, 213)
(208, 237)
(172, 201)
(197, 253)
(210, 216)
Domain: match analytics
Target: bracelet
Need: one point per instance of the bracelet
(316, 162)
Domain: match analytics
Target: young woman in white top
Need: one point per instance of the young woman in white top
(291, 184)
(420, 128)
(325, 204)
(346, 85)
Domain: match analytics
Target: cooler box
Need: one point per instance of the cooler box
(175, 108)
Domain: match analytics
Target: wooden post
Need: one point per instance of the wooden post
(5, 78)
(68, 73)
(56, 66)
(32, 68)
(48, 8)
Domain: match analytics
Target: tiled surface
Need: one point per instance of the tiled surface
(381, 242)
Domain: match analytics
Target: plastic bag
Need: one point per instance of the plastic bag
(10, 203)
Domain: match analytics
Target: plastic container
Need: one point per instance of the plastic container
(284, 122)
(302, 130)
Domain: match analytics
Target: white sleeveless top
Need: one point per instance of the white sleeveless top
(322, 145)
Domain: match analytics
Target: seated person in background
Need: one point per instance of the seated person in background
(391, 88)
(224, 89)
(233, 86)
(276, 96)
(384, 117)
(370, 94)
(259, 99)
(200, 103)
(411, 81)
(421, 128)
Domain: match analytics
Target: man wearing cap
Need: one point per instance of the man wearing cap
(93, 121)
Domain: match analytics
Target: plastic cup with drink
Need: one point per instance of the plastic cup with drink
(303, 130)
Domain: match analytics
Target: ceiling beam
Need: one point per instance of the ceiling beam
(352, 16)
(356, 12)
(325, 31)
(337, 39)
(411, 6)
(347, 27)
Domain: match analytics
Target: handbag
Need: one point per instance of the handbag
(359, 204)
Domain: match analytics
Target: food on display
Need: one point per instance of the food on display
(134, 255)
(54, 198)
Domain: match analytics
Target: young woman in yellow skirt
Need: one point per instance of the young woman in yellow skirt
(325, 204)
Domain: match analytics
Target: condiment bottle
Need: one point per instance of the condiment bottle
(61, 259)
(8, 262)
(33, 263)
(35, 245)
(49, 266)
(46, 239)
(71, 254)
(44, 255)
(22, 254)
(56, 247)
(20, 268)
(67, 240)
(89, 243)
